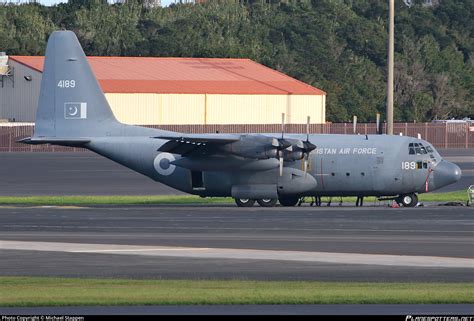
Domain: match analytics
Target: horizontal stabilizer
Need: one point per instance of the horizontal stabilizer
(54, 140)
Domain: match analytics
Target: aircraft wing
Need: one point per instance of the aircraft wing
(187, 144)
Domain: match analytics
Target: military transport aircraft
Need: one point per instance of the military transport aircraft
(73, 111)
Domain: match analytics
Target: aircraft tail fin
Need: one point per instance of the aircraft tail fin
(71, 102)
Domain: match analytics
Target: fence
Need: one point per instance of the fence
(440, 135)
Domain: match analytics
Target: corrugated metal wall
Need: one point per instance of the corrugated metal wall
(20, 101)
(182, 109)
(19, 98)
(186, 109)
(264, 109)
(136, 109)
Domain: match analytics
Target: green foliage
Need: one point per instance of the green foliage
(338, 46)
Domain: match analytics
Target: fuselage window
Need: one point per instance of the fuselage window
(348, 174)
(425, 164)
(419, 165)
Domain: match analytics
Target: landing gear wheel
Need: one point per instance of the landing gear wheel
(408, 200)
(244, 202)
(267, 202)
(289, 201)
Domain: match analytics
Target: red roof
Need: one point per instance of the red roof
(186, 76)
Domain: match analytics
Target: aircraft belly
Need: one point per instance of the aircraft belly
(263, 184)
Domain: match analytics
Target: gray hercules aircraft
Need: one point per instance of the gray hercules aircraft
(73, 111)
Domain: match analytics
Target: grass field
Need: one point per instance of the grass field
(460, 196)
(35, 291)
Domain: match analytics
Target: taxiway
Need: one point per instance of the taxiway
(226, 242)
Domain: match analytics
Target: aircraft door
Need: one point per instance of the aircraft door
(356, 174)
(197, 181)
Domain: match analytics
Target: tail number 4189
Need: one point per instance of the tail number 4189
(66, 83)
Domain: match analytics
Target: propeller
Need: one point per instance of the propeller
(285, 146)
(307, 147)
(282, 143)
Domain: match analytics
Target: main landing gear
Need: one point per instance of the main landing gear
(289, 201)
(246, 202)
(265, 202)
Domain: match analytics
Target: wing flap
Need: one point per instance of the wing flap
(187, 144)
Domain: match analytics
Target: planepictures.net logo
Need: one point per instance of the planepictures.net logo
(438, 318)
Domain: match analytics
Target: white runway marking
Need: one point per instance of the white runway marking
(244, 254)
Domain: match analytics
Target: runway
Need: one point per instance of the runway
(86, 173)
(226, 242)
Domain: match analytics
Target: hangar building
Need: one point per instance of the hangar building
(176, 91)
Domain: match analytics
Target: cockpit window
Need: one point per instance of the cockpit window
(418, 149)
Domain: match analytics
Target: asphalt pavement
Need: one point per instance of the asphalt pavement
(226, 242)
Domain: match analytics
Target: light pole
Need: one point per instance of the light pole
(390, 68)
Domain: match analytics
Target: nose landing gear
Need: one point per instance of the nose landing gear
(407, 200)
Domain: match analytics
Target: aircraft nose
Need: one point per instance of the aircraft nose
(446, 173)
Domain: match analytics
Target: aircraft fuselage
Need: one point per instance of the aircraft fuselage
(342, 165)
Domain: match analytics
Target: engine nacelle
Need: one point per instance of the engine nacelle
(254, 147)
(292, 155)
(296, 182)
